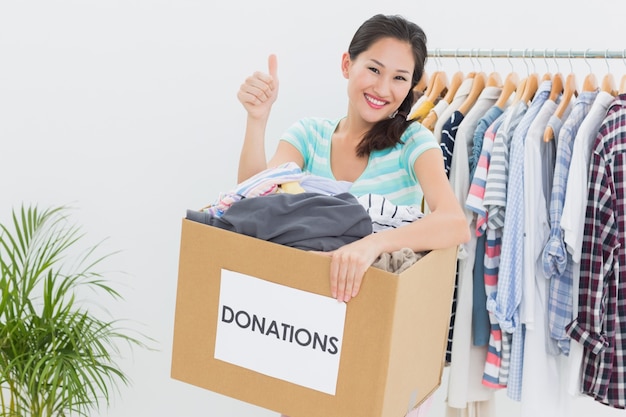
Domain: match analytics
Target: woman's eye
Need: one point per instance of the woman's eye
(401, 78)
(374, 70)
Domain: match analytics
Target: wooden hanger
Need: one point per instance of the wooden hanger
(510, 85)
(431, 82)
(557, 87)
(455, 83)
(608, 84)
(532, 84)
(480, 80)
(421, 85)
(622, 85)
(438, 87)
(519, 91)
(494, 80)
(569, 90)
(590, 83)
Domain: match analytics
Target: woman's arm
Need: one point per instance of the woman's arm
(257, 95)
(443, 227)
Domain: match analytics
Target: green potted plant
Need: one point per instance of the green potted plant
(57, 353)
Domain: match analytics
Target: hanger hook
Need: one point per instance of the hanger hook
(525, 62)
(558, 69)
(545, 59)
(508, 57)
(456, 58)
(569, 58)
(493, 64)
(587, 62)
(606, 61)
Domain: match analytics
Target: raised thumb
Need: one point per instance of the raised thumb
(272, 63)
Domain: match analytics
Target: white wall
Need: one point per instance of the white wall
(126, 110)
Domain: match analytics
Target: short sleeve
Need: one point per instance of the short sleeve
(417, 140)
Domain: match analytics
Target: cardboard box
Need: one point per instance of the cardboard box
(384, 358)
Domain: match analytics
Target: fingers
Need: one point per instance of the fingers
(346, 276)
(257, 88)
(260, 87)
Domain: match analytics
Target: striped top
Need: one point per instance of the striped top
(389, 172)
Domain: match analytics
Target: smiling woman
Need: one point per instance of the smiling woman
(374, 146)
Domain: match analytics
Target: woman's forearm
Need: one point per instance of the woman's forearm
(253, 158)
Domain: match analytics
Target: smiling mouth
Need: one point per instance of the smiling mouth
(374, 101)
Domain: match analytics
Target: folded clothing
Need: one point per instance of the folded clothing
(309, 221)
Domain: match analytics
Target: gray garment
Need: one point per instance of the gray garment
(398, 261)
(308, 221)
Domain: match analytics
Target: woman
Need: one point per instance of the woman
(384, 61)
(373, 146)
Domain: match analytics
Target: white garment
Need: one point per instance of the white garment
(575, 203)
(468, 361)
(543, 392)
(536, 221)
(385, 214)
(463, 142)
(459, 98)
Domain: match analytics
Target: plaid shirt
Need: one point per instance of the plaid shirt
(601, 323)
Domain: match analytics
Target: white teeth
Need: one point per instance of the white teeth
(374, 101)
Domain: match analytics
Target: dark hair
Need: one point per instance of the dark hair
(386, 133)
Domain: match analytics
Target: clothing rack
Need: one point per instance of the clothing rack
(526, 53)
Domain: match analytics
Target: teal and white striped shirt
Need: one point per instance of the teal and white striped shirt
(388, 173)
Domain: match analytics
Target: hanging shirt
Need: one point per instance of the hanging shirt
(459, 98)
(573, 218)
(510, 274)
(434, 115)
(469, 362)
(479, 133)
(600, 324)
(543, 394)
(420, 111)
(494, 202)
(575, 197)
(480, 317)
(475, 203)
(448, 138)
(555, 262)
(537, 154)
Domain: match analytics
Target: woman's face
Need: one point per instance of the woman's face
(379, 79)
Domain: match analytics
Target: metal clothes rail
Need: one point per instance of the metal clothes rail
(526, 53)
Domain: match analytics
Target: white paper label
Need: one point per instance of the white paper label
(280, 331)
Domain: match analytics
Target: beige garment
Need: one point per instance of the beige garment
(292, 187)
(421, 111)
(398, 261)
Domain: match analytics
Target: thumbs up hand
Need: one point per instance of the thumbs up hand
(259, 91)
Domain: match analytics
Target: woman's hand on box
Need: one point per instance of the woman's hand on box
(348, 266)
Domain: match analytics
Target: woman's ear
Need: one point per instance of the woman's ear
(345, 64)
